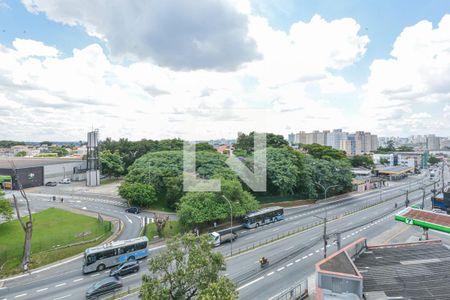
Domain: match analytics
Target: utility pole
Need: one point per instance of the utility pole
(407, 198)
(325, 237)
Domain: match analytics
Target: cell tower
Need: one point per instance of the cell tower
(93, 161)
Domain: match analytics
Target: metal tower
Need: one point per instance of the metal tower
(93, 161)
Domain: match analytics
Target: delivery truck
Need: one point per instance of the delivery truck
(217, 239)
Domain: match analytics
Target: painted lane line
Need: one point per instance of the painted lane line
(41, 290)
(79, 279)
(305, 257)
(289, 248)
(21, 295)
(317, 251)
(289, 264)
(61, 284)
(311, 254)
(269, 274)
(93, 275)
(62, 297)
(251, 282)
(297, 260)
(276, 229)
(280, 269)
(129, 220)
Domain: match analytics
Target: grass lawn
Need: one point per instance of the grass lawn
(51, 228)
(171, 229)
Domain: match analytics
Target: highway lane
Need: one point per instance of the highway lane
(61, 284)
(251, 237)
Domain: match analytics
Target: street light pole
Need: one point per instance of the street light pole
(231, 224)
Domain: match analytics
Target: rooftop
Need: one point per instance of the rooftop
(394, 170)
(406, 271)
(410, 271)
(21, 162)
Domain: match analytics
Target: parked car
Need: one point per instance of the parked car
(133, 210)
(65, 181)
(51, 183)
(103, 287)
(125, 268)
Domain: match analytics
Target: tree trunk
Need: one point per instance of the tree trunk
(27, 246)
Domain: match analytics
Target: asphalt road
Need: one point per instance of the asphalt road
(291, 259)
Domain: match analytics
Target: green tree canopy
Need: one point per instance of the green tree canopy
(21, 154)
(282, 172)
(245, 142)
(432, 160)
(138, 194)
(332, 172)
(111, 163)
(364, 161)
(324, 152)
(200, 207)
(186, 270)
(6, 210)
(60, 151)
(156, 168)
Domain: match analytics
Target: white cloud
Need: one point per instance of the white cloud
(415, 78)
(61, 97)
(27, 48)
(179, 34)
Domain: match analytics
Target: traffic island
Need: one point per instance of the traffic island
(57, 234)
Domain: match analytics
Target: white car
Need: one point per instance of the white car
(65, 181)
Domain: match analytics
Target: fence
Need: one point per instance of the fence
(297, 292)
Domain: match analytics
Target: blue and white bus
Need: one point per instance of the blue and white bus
(114, 253)
(264, 216)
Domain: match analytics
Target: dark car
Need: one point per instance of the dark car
(51, 183)
(133, 210)
(103, 287)
(125, 268)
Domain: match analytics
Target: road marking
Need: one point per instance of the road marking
(289, 264)
(251, 282)
(93, 275)
(297, 260)
(276, 229)
(129, 220)
(61, 284)
(305, 257)
(280, 269)
(62, 297)
(79, 279)
(41, 290)
(21, 295)
(271, 273)
(289, 248)
(311, 254)
(317, 251)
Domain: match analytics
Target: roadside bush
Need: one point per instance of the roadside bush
(138, 194)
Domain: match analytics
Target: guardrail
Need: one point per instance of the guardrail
(319, 223)
(297, 292)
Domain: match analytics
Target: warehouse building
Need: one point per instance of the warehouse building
(33, 172)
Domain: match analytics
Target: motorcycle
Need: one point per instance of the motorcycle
(264, 262)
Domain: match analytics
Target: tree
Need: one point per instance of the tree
(332, 172)
(6, 210)
(138, 194)
(282, 173)
(197, 208)
(246, 142)
(390, 147)
(186, 270)
(384, 161)
(432, 160)
(204, 147)
(164, 171)
(21, 154)
(405, 148)
(324, 152)
(111, 163)
(60, 151)
(364, 161)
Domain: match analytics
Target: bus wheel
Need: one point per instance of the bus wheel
(131, 258)
(101, 267)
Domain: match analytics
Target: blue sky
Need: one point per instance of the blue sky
(235, 72)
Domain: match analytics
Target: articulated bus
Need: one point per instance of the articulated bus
(264, 216)
(114, 253)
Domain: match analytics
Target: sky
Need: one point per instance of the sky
(207, 69)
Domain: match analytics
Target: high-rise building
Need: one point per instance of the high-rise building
(375, 144)
(433, 142)
(300, 138)
(291, 138)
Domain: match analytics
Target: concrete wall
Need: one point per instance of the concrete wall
(57, 171)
